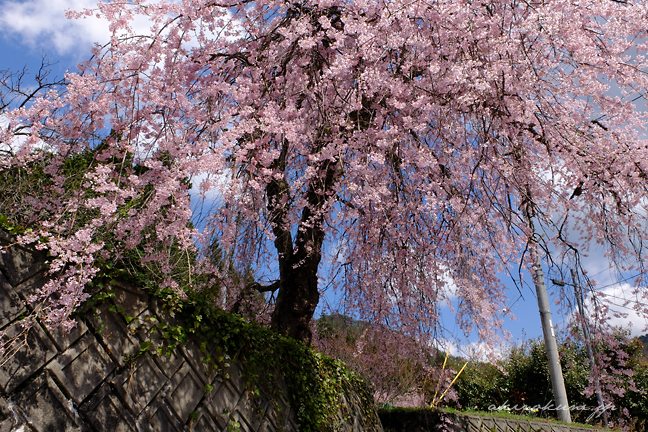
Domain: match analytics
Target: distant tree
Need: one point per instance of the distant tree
(520, 379)
(395, 364)
(411, 143)
(480, 386)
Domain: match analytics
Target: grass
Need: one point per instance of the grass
(498, 414)
(508, 415)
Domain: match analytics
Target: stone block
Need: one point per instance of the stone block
(272, 416)
(286, 420)
(246, 421)
(7, 417)
(42, 403)
(277, 410)
(31, 285)
(277, 420)
(169, 365)
(470, 424)
(203, 423)
(10, 305)
(280, 408)
(157, 308)
(221, 400)
(139, 384)
(250, 411)
(31, 351)
(355, 426)
(262, 412)
(249, 422)
(82, 368)
(291, 423)
(186, 392)
(234, 378)
(517, 425)
(192, 353)
(500, 425)
(64, 339)
(115, 335)
(266, 426)
(146, 327)
(161, 419)
(131, 299)
(105, 412)
(487, 424)
(19, 263)
(228, 419)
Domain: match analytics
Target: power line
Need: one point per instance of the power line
(619, 281)
(578, 293)
(626, 307)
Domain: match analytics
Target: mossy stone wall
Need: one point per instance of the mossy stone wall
(104, 376)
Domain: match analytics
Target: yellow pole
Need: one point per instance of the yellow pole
(439, 383)
(453, 381)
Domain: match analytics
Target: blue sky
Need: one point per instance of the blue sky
(31, 28)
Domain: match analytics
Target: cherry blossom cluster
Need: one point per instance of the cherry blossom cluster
(416, 147)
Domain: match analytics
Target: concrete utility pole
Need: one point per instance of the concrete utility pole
(555, 371)
(588, 346)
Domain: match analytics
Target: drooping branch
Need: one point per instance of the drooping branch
(310, 235)
(278, 199)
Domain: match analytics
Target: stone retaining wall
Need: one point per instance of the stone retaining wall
(98, 378)
(437, 421)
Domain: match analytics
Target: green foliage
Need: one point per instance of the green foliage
(22, 186)
(528, 382)
(10, 227)
(507, 415)
(522, 379)
(479, 386)
(31, 194)
(637, 402)
(334, 326)
(315, 381)
(96, 299)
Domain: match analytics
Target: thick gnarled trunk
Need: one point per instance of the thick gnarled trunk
(298, 294)
(296, 302)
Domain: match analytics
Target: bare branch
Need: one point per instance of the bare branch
(17, 90)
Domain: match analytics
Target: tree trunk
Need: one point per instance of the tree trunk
(296, 302)
(298, 264)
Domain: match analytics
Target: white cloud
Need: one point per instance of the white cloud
(471, 351)
(450, 288)
(622, 303)
(43, 24)
(481, 351)
(12, 144)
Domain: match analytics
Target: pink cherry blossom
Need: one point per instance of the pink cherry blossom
(390, 148)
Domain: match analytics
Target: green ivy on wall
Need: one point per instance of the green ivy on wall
(318, 385)
(315, 382)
